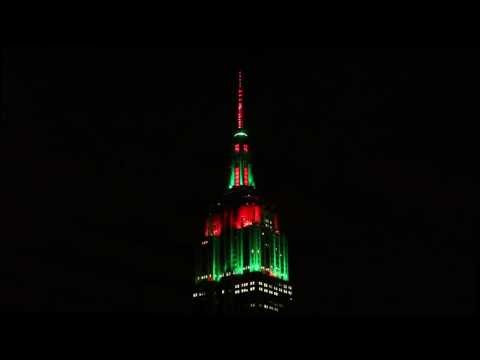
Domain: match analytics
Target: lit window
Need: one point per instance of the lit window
(245, 147)
(237, 148)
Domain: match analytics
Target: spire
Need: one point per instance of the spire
(240, 113)
(241, 167)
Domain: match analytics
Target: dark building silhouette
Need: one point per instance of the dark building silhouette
(242, 261)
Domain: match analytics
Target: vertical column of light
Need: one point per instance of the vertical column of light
(253, 261)
(271, 244)
(251, 248)
(237, 175)
(286, 258)
(246, 247)
(232, 176)
(231, 252)
(282, 258)
(225, 238)
(281, 262)
(269, 259)
(254, 249)
(279, 257)
(215, 262)
(240, 172)
(250, 176)
(258, 246)
(210, 266)
(275, 252)
(245, 175)
(240, 119)
(238, 252)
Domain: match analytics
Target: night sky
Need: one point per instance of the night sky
(368, 154)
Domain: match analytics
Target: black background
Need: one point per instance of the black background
(369, 155)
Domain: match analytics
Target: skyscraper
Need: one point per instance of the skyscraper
(242, 259)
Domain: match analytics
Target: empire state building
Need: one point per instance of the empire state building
(242, 258)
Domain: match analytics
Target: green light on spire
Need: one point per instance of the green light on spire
(240, 133)
(216, 270)
(238, 258)
(250, 176)
(232, 176)
(241, 171)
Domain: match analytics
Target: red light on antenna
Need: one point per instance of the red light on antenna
(240, 102)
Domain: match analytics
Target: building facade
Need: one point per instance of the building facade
(242, 260)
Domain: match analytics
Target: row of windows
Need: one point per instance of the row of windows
(265, 306)
(277, 288)
(200, 294)
(266, 291)
(241, 291)
(275, 292)
(281, 288)
(244, 284)
(204, 277)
